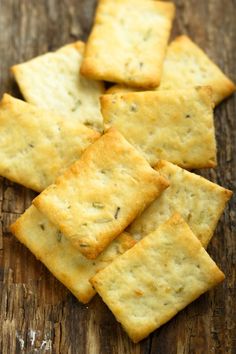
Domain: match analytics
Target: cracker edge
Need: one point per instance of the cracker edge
(79, 45)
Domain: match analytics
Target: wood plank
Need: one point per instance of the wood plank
(38, 315)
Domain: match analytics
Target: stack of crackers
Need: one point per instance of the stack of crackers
(119, 212)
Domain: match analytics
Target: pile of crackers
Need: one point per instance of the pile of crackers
(119, 212)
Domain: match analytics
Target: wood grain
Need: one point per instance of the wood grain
(38, 315)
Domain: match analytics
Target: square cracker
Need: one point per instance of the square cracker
(186, 65)
(68, 265)
(52, 81)
(176, 125)
(101, 194)
(128, 42)
(36, 145)
(199, 201)
(158, 277)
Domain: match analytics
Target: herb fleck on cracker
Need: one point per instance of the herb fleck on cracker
(59, 236)
(117, 212)
(98, 205)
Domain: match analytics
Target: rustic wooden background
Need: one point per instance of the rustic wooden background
(38, 315)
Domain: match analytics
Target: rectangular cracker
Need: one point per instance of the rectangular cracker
(186, 65)
(101, 194)
(37, 145)
(199, 201)
(158, 277)
(64, 261)
(176, 125)
(128, 42)
(52, 81)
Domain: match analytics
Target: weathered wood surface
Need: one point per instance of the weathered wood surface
(38, 315)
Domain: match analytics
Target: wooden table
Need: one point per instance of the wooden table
(38, 315)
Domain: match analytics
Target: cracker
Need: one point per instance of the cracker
(37, 145)
(199, 201)
(101, 194)
(158, 277)
(52, 81)
(128, 42)
(172, 125)
(68, 265)
(186, 65)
